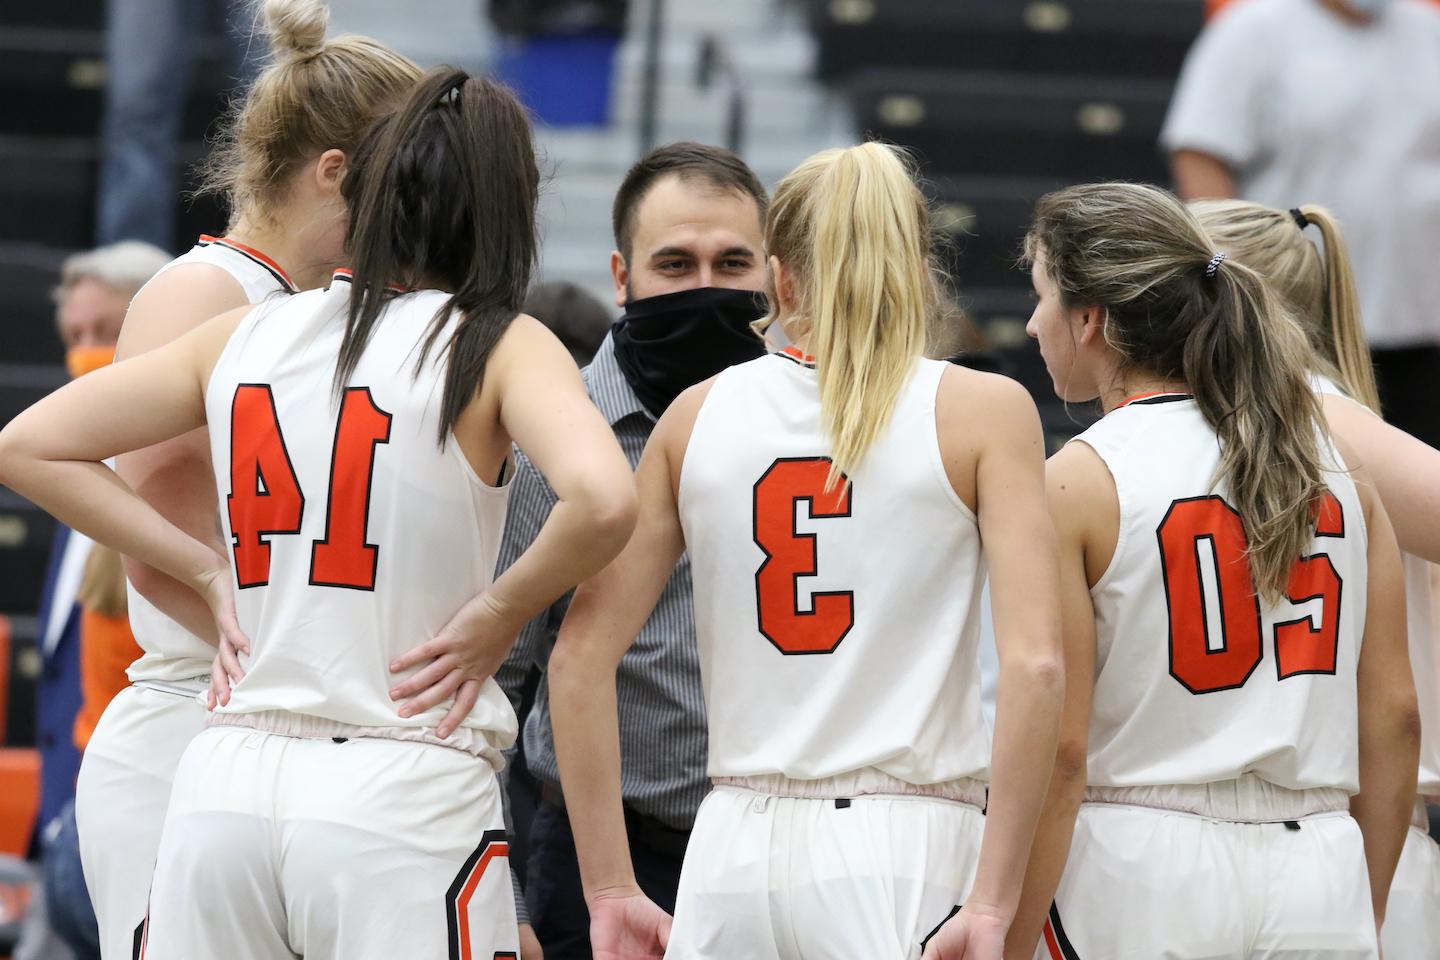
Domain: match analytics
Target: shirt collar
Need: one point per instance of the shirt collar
(609, 389)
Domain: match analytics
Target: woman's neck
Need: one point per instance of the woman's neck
(1134, 385)
(290, 249)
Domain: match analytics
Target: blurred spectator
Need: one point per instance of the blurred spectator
(559, 55)
(573, 314)
(1334, 102)
(94, 292)
(149, 59)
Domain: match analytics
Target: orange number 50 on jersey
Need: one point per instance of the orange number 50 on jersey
(1209, 524)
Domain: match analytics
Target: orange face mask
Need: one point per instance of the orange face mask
(82, 360)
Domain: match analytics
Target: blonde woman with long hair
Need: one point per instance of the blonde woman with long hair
(833, 499)
(1240, 721)
(280, 164)
(1318, 288)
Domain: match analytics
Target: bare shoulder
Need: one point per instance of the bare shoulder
(975, 410)
(176, 302)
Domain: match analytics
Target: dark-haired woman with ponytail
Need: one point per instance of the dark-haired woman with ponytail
(1318, 288)
(1240, 732)
(343, 800)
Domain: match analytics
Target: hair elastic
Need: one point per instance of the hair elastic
(1299, 217)
(1214, 264)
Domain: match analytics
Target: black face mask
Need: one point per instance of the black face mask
(668, 343)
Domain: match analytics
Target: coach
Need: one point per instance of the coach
(687, 266)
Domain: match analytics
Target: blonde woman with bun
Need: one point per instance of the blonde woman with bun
(1317, 286)
(840, 502)
(280, 165)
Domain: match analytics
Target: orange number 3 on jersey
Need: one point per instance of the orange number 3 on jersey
(790, 555)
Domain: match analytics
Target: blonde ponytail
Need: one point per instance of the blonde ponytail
(854, 230)
(1348, 348)
(315, 95)
(1317, 289)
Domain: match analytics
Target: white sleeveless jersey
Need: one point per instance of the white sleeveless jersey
(837, 630)
(354, 536)
(1424, 664)
(171, 654)
(1197, 680)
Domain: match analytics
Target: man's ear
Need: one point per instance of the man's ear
(620, 273)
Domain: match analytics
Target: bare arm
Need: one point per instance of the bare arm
(1389, 717)
(1075, 491)
(1406, 473)
(1201, 176)
(1007, 449)
(175, 476)
(1024, 589)
(53, 453)
(542, 405)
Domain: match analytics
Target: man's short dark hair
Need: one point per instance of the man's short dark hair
(691, 161)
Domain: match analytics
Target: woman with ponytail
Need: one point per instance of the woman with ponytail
(1240, 730)
(280, 163)
(342, 802)
(833, 499)
(1318, 289)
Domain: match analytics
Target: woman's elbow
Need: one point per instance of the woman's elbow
(612, 509)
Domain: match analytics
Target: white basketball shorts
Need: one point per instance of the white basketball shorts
(120, 800)
(282, 847)
(1143, 883)
(1412, 914)
(770, 877)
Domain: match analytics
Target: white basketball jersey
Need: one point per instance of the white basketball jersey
(170, 653)
(1197, 680)
(354, 535)
(1424, 664)
(837, 629)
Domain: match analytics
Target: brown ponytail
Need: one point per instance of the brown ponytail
(1317, 288)
(443, 193)
(1137, 252)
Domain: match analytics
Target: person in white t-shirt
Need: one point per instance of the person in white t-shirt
(1335, 102)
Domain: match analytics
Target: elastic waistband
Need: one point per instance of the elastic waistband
(1247, 799)
(192, 687)
(858, 783)
(303, 726)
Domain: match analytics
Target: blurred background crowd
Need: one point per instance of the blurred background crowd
(106, 105)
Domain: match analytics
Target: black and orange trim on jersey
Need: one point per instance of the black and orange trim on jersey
(250, 253)
(797, 356)
(348, 275)
(1154, 397)
(494, 844)
(1057, 945)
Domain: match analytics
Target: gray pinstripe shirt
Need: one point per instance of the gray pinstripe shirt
(661, 706)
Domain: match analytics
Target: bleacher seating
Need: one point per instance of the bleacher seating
(52, 81)
(1002, 101)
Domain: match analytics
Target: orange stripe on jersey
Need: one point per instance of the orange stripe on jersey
(348, 275)
(253, 254)
(796, 354)
(1051, 947)
(1152, 395)
(493, 845)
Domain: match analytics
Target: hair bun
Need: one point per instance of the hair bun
(296, 27)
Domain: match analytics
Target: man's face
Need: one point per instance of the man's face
(689, 234)
(90, 314)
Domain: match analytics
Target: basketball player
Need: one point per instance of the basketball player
(280, 167)
(1319, 289)
(833, 499)
(360, 437)
(1234, 611)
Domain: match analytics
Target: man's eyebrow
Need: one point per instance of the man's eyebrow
(737, 252)
(672, 252)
